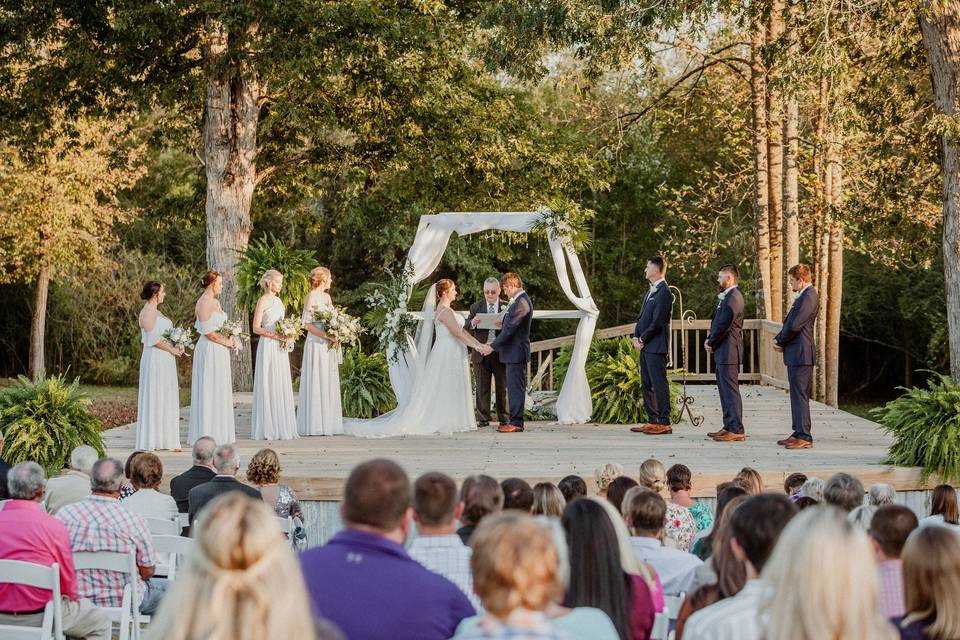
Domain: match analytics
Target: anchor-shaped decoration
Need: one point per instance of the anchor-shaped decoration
(687, 316)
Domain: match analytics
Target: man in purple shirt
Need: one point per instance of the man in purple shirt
(363, 580)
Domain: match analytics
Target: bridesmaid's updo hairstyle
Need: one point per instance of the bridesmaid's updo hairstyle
(442, 287)
(209, 278)
(150, 289)
(318, 276)
(269, 275)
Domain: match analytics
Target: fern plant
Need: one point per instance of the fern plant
(270, 253)
(45, 421)
(616, 386)
(365, 390)
(925, 425)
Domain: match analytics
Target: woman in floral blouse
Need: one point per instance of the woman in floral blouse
(678, 481)
(680, 528)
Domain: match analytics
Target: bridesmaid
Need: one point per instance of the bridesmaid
(319, 412)
(158, 394)
(211, 391)
(273, 413)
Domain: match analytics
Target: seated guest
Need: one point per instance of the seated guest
(843, 491)
(100, 523)
(517, 494)
(202, 471)
(755, 526)
(617, 489)
(605, 474)
(931, 585)
(480, 495)
(705, 574)
(547, 500)
(820, 582)
(365, 582)
(726, 492)
(28, 534)
(805, 501)
(751, 481)
(880, 494)
(146, 472)
(679, 483)
(264, 473)
(793, 484)
(127, 489)
(4, 470)
(437, 545)
(227, 463)
(861, 516)
(943, 507)
(646, 515)
(681, 529)
(892, 524)
(572, 487)
(244, 581)
(813, 489)
(74, 484)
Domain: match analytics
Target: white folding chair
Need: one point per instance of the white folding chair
(661, 626)
(29, 574)
(175, 548)
(286, 526)
(163, 526)
(184, 520)
(674, 604)
(126, 563)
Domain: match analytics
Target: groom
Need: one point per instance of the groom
(512, 344)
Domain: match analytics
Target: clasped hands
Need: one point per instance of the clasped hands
(638, 344)
(484, 349)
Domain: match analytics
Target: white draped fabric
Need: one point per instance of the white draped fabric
(574, 405)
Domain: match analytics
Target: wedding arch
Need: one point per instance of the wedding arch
(574, 404)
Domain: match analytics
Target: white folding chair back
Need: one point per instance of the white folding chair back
(674, 604)
(128, 611)
(184, 520)
(661, 626)
(163, 526)
(29, 574)
(176, 549)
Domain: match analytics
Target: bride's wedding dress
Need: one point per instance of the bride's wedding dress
(441, 401)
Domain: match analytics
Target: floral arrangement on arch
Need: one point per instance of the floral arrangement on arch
(388, 317)
(566, 221)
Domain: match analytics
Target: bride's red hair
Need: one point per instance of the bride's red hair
(443, 286)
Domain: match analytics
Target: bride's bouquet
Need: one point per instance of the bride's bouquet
(290, 329)
(179, 337)
(338, 324)
(233, 329)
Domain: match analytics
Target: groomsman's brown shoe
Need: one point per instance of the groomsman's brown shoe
(798, 444)
(729, 436)
(714, 434)
(509, 428)
(658, 430)
(640, 428)
(785, 441)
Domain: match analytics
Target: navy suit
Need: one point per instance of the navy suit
(513, 346)
(800, 354)
(653, 330)
(726, 340)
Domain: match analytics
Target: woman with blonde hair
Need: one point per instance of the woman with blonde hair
(242, 581)
(547, 500)
(751, 481)
(319, 412)
(931, 585)
(681, 528)
(605, 474)
(274, 417)
(822, 580)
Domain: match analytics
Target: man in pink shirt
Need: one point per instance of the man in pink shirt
(889, 529)
(28, 534)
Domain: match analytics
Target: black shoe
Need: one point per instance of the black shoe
(483, 423)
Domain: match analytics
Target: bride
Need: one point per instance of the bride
(441, 401)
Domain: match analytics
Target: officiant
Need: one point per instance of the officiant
(489, 366)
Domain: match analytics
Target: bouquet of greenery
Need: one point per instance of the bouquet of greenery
(388, 317)
(233, 329)
(338, 324)
(290, 329)
(179, 337)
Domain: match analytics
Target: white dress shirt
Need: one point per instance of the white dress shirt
(675, 567)
(150, 503)
(734, 618)
(448, 556)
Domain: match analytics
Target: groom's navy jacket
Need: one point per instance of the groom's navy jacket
(653, 325)
(513, 341)
(726, 329)
(796, 336)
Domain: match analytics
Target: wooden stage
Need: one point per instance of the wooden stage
(316, 467)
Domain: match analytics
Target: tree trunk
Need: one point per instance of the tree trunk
(940, 28)
(791, 173)
(38, 325)
(822, 234)
(761, 211)
(775, 165)
(230, 154)
(835, 279)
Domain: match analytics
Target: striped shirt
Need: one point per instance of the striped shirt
(891, 602)
(735, 618)
(448, 556)
(100, 523)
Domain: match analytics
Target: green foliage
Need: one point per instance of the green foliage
(925, 425)
(44, 422)
(365, 384)
(267, 253)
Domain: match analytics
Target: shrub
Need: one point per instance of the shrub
(616, 387)
(365, 389)
(45, 421)
(925, 425)
(270, 253)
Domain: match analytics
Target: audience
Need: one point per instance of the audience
(227, 463)
(861, 516)
(821, 583)
(813, 489)
(881, 494)
(681, 529)
(572, 487)
(517, 494)
(805, 501)
(74, 484)
(726, 491)
(127, 489)
(943, 507)
(679, 482)
(242, 582)
(365, 582)
(4, 470)
(892, 524)
(29, 534)
(547, 500)
(755, 526)
(481, 495)
(931, 585)
(264, 473)
(605, 474)
(146, 472)
(617, 489)
(100, 523)
(437, 545)
(202, 471)
(705, 574)
(793, 484)
(751, 481)
(843, 491)
(646, 514)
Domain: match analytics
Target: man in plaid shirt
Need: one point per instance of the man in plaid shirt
(100, 523)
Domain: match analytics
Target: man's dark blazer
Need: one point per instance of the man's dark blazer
(653, 325)
(481, 335)
(726, 329)
(201, 494)
(4, 470)
(512, 344)
(181, 485)
(796, 335)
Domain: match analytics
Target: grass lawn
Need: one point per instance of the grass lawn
(861, 406)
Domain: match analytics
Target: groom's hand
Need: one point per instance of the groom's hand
(637, 344)
(485, 349)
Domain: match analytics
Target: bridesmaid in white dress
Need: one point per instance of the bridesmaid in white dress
(211, 391)
(319, 412)
(158, 394)
(273, 412)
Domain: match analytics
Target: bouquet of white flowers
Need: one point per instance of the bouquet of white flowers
(290, 328)
(233, 329)
(338, 324)
(179, 337)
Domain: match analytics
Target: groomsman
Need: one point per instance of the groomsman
(487, 367)
(725, 342)
(651, 336)
(795, 341)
